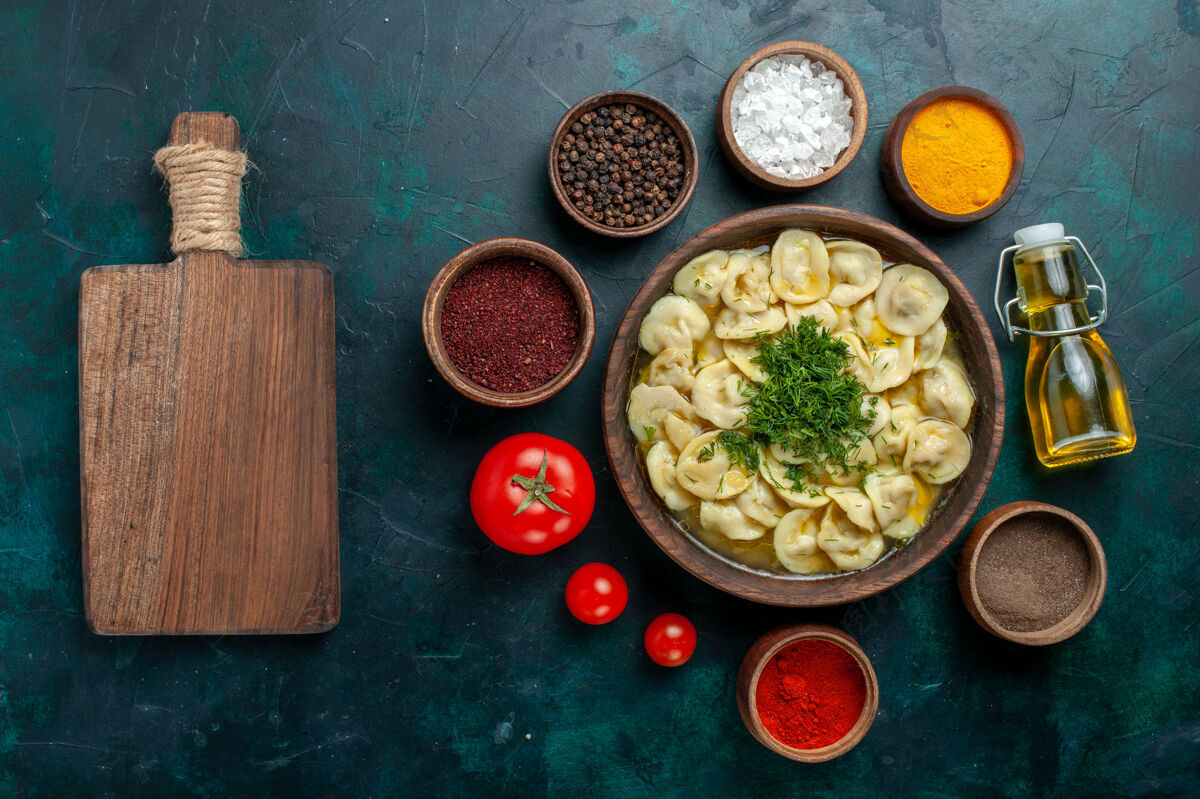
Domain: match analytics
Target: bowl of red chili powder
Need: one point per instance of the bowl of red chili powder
(807, 692)
(508, 322)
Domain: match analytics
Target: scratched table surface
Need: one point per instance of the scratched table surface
(387, 136)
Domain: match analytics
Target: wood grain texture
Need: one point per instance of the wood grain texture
(858, 112)
(968, 571)
(891, 165)
(208, 441)
(766, 648)
(435, 298)
(979, 355)
(687, 144)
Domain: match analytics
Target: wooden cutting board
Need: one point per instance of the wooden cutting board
(208, 450)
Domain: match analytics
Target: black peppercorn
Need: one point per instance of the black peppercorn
(622, 165)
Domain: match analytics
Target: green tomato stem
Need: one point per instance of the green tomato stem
(537, 487)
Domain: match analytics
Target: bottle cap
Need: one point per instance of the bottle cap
(1037, 235)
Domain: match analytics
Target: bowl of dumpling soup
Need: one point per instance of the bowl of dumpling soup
(802, 405)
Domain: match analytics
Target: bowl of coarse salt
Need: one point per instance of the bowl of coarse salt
(792, 116)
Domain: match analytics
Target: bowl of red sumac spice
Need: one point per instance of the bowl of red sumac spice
(807, 692)
(508, 322)
(623, 163)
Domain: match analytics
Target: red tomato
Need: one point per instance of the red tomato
(532, 493)
(670, 640)
(596, 593)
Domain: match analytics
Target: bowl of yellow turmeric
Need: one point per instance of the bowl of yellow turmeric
(952, 157)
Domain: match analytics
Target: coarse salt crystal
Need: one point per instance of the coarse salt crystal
(791, 116)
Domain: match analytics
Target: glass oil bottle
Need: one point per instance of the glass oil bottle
(1076, 397)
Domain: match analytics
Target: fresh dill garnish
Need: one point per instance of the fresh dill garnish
(706, 453)
(649, 430)
(740, 448)
(798, 474)
(808, 403)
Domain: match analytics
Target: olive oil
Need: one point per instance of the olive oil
(1076, 397)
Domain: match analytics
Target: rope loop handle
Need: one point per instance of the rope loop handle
(205, 196)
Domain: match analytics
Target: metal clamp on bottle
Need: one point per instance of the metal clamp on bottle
(1004, 311)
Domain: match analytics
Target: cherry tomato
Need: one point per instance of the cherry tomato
(532, 493)
(670, 640)
(596, 593)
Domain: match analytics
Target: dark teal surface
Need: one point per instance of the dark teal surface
(388, 135)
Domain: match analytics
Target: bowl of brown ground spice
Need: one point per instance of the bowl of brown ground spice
(1032, 573)
(508, 322)
(623, 163)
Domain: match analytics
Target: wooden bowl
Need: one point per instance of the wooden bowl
(858, 111)
(1093, 595)
(687, 144)
(892, 167)
(435, 298)
(979, 353)
(766, 648)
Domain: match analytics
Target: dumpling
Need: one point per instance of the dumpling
(856, 505)
(649, 405)
(821, 310)
(660, 467)
(891, 495)
(796, 543)
(799, 267)
(672, 367)
(865, 321)
(908, 392)
(859, 457)
(849, 547)
(855, 270)
(742, 354)
(859, 364)
(708, 351)
(784, 455)
(705, 469)
(747, 286)
(679, 431)
(946, 393)
(884, 360)
(890, 364)
(807, 494)
(904, 527)
(873, 403)
(702, 278)
(761, 504)
(891, 443)
(672, 321)
(725, 518)
(846, 323)
(910, 299)
(937, 451)
(735, 324)
(719, 394)
(930, 345)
